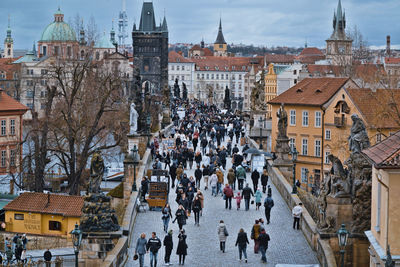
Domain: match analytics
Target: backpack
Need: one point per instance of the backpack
(269, 203)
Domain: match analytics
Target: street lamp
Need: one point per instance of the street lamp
(306, 172)
(343, 234)
(76, 235)
(261, 120)
(148, 124)
(294, 154)
(135, 161)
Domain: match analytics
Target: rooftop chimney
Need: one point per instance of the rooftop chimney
(388, 45)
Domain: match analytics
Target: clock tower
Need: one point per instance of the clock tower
(338, 46)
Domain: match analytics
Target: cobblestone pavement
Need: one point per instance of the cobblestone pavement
(287, 246)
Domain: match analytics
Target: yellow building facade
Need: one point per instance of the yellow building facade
(271, 83)
(43, 214)
(385, 213)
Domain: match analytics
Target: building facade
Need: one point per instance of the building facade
(150, 48)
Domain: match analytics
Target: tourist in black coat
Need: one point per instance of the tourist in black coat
(180, 216)
(241, 243)
(198, 174)
(172, 173)
(255, 176)
(181, 250)
(169, 244)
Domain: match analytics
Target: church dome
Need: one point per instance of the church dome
(58, 30)
(104, 42)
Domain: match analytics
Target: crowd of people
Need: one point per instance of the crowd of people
(199, 139)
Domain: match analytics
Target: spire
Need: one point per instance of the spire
(202, 42)
(164, 24)
(82, 35)
(220, 38)
(339, 23)
(134, 26)
(147, 19)
(112, 33)
(9, 28)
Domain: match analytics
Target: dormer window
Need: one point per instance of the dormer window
(207, 68)
(299, 90)
(216, 68)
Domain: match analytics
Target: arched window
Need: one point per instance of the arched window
(97, 55)
(82, 54)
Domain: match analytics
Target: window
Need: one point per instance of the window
(217, 76)
(172, 67)
(69, 51)
(56, 50)
(294, 72)
(327, 134)
(378, 137)
(318, 119)
(304, 147)
(182, 77)
(97, 56)
(43, 71)
(317, 148)
(240, 76)
(54, 226)
(3, 159)
(44, 50)
(29, 105)
(305, 118)
(292, 117)
(202, 76)
(292, 143)
(29, 94)
(18, 216)
(198, 76)
(327, 153)
(12, 126)
(304, 175)
(12, 157)
(3, 127)
(207, 76)
(212, 76)
(183, 67)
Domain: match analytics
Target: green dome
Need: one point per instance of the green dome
(58, 30)
(104, 42)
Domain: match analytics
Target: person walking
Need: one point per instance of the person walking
(179, 172)
(172, 173)
(196, 207)
(268, 204)
(258, 197)
(255, 176)
(296, 212)
(263, 240)
(206, 173)
(240, 176)
(238, 200)
(247, 193)
(181, 250)
(198, 158)
(153, 244)
(255, 232)
(222, 235)
(168, 244)
(264, 180)
(241, 243)
(198, 174)
(201, 198)
(141, 248)
(231, 177)
(166, 215)
(269, 191)
(180, 216)
(228, 194)
(220, 183)
(213, 184)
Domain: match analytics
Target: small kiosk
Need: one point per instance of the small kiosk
(158, 188)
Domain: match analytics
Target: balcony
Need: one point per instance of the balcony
(340, 121)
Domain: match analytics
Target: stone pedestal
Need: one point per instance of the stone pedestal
(341, 209)
(166, 119)
(94, 247)
(133, 139)
(282, 150)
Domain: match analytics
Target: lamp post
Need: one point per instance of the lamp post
(294, 154)
(135, 161)
(76, 235)
(148, 125)
(343, 234)
(261, 120)
(307, 172)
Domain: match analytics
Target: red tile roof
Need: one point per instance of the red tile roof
(323, 70)
(174, 57)
(311, 51)
(64, 205)
(377, 107)
(271, 58)
(385, 154)
(392, 60)
(8, 67)
(7, 103)
(311, 91)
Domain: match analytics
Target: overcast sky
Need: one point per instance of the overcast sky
(258, 22)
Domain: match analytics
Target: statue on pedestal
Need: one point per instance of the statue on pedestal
(134, 115)
(177, 90)
(185, 92)
(227, 99)
(340, 185)
(282, 121)
(358, 139)
(258, 95)
(138, 100)
(96, 172)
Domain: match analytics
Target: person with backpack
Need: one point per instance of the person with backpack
(268, 204)
(228, 194)
(222, 235)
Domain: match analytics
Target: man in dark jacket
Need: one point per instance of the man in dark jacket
(168, 243)
(172, 173)
(242, 242)
(268, 204)
(263, 239)
(153, 244)
(198, 174)
(246, 194)
(204, 144)
(255, 176)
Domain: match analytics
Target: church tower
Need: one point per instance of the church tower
(220, 46)
(338, 46)
(8, 43)
(150, 48)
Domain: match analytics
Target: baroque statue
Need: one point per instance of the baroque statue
(258, 94)
(185, 91)
(358, 139)
(227, 99)
(134, 115)
(96, 172)
(338, 179)
(282, 121)
(177, 90)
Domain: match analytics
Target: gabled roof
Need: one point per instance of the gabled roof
(311, 91)
(376, 107)
(7, 103)
(272, 58)
(8, 68)
(311, 51)
(64, 205)
(392, 60)
(174, 57)
(385, 154)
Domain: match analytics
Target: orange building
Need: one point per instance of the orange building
(11, 123)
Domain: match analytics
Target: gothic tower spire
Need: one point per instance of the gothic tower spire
(9, 42)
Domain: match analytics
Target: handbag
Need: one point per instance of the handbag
(135, 257)
(252, 202)
(226, 232)
(224, 197)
